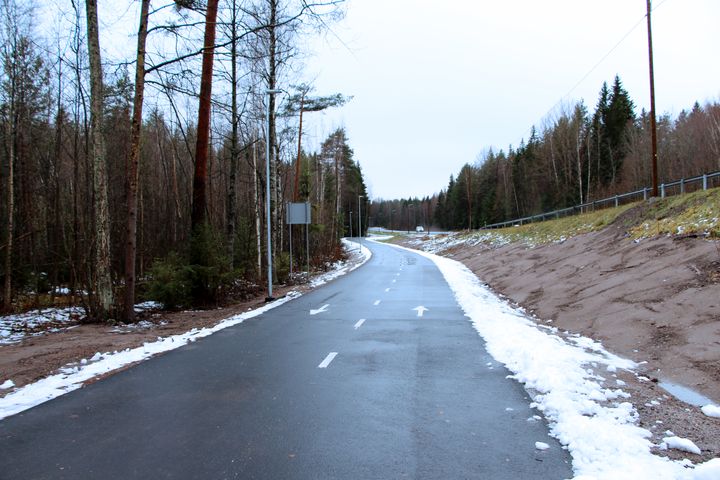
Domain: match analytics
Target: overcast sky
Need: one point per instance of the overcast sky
(437, 83)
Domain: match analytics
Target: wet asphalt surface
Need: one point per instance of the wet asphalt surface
(404, 396)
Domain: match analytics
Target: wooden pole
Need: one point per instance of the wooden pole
(653, 124)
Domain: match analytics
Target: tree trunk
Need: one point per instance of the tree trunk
(103, 298)
(258, 210)
(10, 131)
(133, 167)
(199, 207)
(272, 82)
(231, 194)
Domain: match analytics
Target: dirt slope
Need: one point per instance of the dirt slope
(655, 301)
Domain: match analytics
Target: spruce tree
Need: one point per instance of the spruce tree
(620, 117)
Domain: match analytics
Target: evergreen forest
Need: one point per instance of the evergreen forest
(576, 157)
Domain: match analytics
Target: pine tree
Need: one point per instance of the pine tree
(620, 117)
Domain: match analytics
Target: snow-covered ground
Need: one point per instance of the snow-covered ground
(13, 328)
(71, 377)
(573, 382)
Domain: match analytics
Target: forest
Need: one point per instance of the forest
(145, 178)
(575, 157)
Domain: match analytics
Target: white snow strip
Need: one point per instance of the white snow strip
(594, 422)
(341, 268)
(359, 323)
(541, 445)
(679, 443)
(330, 357)
(7, 384)
(71, 377)
(711, 411)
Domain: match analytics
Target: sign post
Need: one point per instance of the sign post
(299, 214)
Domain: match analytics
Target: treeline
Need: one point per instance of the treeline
(576, 157)
(51, 219)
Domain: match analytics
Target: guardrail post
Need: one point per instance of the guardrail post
(704, 181)
(644, 193)
(682, 186)
(662, 190)
(616, 201)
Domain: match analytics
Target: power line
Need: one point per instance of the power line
(599, 62)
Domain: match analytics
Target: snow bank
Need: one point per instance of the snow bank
(711, 411)
(679, 443)
(596, 423)
(357, 258)
(71, 377)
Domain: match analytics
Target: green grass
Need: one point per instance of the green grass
(695, 213)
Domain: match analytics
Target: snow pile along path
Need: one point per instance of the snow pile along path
(72, 377)
(356, 258)
(598, 425)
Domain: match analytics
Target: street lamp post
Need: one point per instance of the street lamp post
(360, 222)
(267, 196)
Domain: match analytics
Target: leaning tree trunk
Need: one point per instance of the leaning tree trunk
(103, 298)
(133, 167)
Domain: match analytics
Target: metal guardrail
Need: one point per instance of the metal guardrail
(665, 190)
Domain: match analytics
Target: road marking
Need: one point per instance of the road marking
(377, 302)
(320, 310)
(420, 310)
(394, 281)
(331, 356)
(387, 290)
(359, 323)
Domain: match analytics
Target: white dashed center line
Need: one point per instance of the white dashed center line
(331, 356)
(359, 323)
(377, 302)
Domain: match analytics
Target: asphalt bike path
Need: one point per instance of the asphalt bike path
(376, 375)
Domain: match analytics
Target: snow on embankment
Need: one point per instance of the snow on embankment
(598, 425)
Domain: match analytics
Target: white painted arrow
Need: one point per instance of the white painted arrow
(320, 310)
(420, 310)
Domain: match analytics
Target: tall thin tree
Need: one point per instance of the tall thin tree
(103, 294)
(133, 166)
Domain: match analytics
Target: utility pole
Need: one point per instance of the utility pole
(360, 222)
(653, 125)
